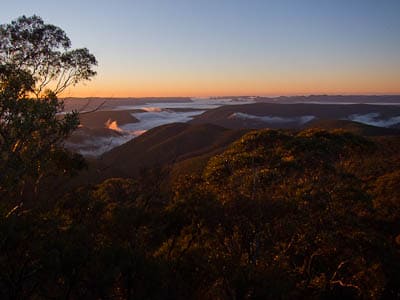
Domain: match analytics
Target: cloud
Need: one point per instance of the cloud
(152, 109)
(96, 146)
(149, 120)
(150, 116)
(195, 103)
(113, 125)
(374, 119)
(273, 119)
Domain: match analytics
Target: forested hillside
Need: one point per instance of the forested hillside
(277, 215)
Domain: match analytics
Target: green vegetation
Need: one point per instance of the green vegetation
(34, 61)
(42, 51)
(275, 215)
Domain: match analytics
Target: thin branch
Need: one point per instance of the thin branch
(338, 269)
(341, 283)
(93, 110)
(14, 209)
(67, 82)
(60, 79)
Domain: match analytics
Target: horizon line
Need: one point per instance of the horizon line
(238, 96)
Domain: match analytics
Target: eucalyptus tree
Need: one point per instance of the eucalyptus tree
(44, 51)
(36, 64)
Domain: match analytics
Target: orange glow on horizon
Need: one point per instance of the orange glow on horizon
(229, 89)
(238, 83)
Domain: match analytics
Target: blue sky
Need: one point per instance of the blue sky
(177, 47)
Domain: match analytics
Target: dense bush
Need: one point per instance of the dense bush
(278, 215)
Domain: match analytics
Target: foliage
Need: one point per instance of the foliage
(31, 130)
(278, 215)
(42, 50)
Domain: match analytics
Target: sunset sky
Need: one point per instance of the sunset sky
(229, 47)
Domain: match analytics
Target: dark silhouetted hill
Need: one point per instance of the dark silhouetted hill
(169, 144)
(353, 127)
(271, 115)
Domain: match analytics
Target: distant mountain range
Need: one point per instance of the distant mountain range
(272, 115)
(111, 124)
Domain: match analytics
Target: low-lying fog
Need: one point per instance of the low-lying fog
(300, 120)
(110, 133)
(375, 119)
(149, 115)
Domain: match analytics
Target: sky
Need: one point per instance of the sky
(229, 47)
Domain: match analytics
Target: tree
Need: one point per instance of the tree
(35, 66)
(42, 50)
